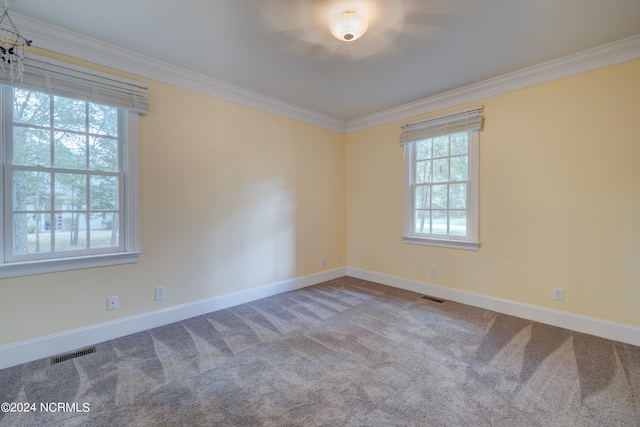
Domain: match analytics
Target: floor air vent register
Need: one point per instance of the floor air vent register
(73, 355)
(434, 299)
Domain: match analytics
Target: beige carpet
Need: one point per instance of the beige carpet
(342, 353)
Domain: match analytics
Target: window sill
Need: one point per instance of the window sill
(451, 244)
(64, 264)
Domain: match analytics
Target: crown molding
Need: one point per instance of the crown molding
(588, 60)
(68, 43)
(64, 42)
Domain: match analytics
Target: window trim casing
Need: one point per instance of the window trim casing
(471, 242)
(131, 212)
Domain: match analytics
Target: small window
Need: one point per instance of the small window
(441, 184)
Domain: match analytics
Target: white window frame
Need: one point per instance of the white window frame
(470, 241)
(105, 89)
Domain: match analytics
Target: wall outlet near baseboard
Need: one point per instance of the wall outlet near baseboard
(432, 271)
(324, 261)
(558, 293)
(112, 303)
(161, 293)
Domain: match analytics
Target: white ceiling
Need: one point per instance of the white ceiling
(283, 48)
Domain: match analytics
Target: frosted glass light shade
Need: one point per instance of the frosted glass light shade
(348, 26)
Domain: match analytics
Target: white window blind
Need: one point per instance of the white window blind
(468, 120)
(55, 77)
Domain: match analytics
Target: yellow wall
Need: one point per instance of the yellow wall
(231, 198)
(559, 199)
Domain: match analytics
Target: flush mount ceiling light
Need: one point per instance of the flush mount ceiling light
(348, 26)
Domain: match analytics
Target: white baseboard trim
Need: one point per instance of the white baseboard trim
(588, 325)
(50, 345)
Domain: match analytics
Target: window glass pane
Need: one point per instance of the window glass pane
(68, 202)
(31, 190)
(103, 154)
(459, 168)
(460, 143)
(69, 114)
(441, 146)
(70, 191)
(423, 222)
(424, 149)
(104, 230)
(31, 233)
(422, 197)
(458, 196)
(441, 189)
(439, 222)
(423, 171)
(71, 233)
(103, 120)
(458, 223)
(70, 151)
(31, 147)
(31, 107)
(104, 192)
(441, 170)
(439, 196)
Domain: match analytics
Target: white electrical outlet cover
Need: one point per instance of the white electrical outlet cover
(558, 293)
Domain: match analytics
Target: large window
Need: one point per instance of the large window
(70, 175)
(441, 180)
